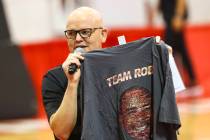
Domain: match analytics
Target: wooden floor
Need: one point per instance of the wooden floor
(25, 129)
(195, 117)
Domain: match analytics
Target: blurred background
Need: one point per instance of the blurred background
(32, 41)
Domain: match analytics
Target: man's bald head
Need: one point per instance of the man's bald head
(85, 15)
(86, 26)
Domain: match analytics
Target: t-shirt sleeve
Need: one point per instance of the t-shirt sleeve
(168, 108)
(52, 93)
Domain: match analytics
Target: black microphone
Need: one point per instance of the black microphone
(73, 67)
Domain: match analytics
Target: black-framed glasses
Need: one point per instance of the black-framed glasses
(84, 33)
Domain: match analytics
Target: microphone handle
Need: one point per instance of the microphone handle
(72, 68)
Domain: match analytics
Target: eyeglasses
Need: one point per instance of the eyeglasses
(84, 33)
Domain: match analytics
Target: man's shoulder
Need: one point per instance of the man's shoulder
(56, 73)
(55, 70)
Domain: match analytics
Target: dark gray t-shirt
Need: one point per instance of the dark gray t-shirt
(116, 92)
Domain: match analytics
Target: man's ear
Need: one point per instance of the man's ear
(104, 34)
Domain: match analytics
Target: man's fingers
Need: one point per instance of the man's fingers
(75, 55)
(75, 61)
(78, 55)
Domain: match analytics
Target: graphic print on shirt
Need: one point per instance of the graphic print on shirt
(135, 112)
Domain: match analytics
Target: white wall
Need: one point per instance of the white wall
(35, 20)
(28, 20)
(122, 12)
(199, 11)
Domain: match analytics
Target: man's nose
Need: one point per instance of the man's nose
(78, 37)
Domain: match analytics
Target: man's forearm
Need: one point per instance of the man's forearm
(64, 119)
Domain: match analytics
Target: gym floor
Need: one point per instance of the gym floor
(194, 113)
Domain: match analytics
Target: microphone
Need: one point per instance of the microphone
(73, 67)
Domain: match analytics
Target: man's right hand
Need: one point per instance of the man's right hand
(73, 58)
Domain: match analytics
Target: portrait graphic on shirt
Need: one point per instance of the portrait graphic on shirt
(135, 112)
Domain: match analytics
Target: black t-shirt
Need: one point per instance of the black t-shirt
(116, 92)
(53, 88)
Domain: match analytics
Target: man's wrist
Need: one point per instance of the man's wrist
(72, 84)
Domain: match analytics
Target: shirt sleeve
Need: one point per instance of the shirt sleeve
(168, 108)
(52, 93)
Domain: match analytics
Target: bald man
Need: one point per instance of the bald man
(84, 29)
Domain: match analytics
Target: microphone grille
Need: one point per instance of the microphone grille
(81, 50)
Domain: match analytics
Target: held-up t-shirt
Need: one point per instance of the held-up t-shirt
(116, 92)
